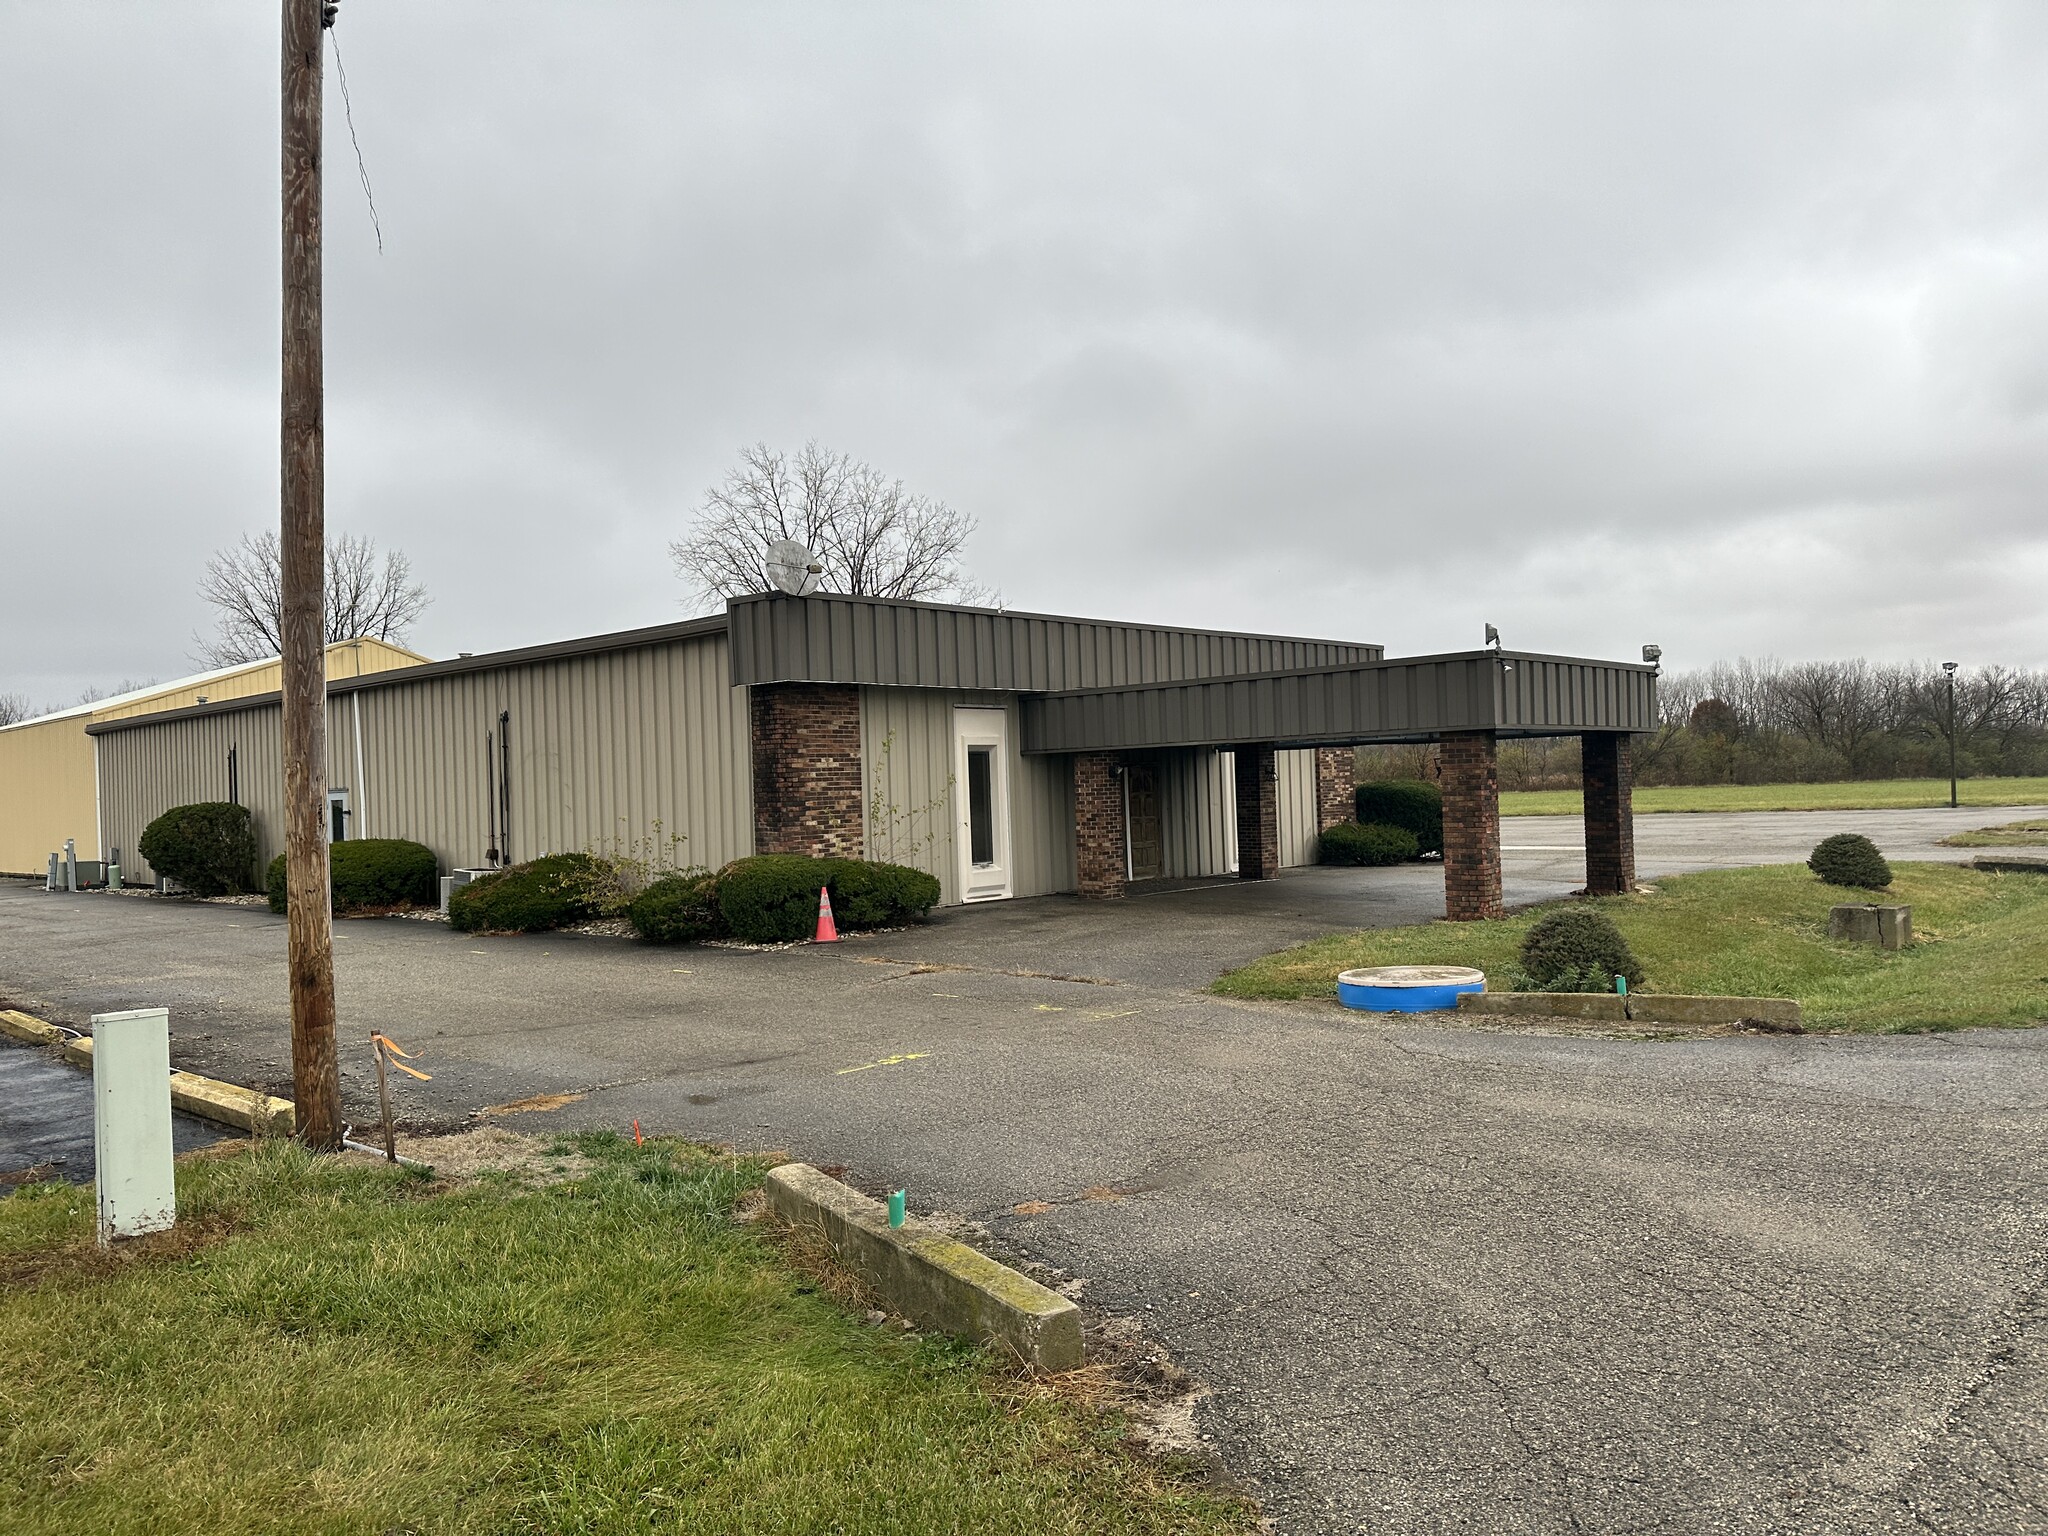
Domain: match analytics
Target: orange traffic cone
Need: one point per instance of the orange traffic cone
(827, 934)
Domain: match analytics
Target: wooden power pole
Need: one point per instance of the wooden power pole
(316, 1077)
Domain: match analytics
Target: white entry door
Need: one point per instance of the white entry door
(981, 800)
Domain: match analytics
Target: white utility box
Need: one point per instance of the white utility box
(131, 1122)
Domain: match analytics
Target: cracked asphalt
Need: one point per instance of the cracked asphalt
(1438, 1279)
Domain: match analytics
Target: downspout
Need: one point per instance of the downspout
(99, 815)
(355, 700)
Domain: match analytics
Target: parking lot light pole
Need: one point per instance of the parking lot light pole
(1949, 667)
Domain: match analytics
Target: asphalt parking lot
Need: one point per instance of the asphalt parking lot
(1437, 1279)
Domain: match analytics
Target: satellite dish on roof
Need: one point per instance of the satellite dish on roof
(793, 568)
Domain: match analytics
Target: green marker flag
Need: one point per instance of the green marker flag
(1621, 985)
(896, 1209)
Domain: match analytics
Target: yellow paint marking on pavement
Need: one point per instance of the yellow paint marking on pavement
(1111, 1013)
(1048, 1008)
(538, 1104)
(952, 996)
(886, 1061)
(681, 970)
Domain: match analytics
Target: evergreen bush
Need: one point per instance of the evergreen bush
(1847, 859)
(773, 897)
(1415, 805)
(1377, 843)
(1578, 949)
(368, 873)
(678, 909)
(527, 898)
(209, 847)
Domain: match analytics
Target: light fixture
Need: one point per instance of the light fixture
(1653, 654)
(1492, 637)
(1949, 667)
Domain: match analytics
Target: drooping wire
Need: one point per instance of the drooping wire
(348, 112)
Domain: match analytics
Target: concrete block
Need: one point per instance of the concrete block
(2012, 863)
(1546, 1005)
(28, 1028)
(928, 1277)
(1780, 1013)
(1887, 927)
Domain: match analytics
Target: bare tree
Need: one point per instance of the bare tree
(15, 708)
(367, 598)
(873, 538)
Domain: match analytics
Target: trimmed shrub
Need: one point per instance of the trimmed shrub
(773, 897)
(678, 909)
(370, 872)
(1847, 858)
(868, 895)
(209, 848)
(1578, 949)
(1378, 843)
(1414, 805)
(527, 898)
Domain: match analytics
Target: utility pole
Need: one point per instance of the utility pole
(316, 1078)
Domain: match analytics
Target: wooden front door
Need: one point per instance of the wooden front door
(1141, 810)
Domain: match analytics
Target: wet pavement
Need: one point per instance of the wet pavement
(46, 1118)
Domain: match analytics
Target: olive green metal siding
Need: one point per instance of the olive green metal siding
(1402, 700)
(876, 641)
(908, 776)
(608, 749)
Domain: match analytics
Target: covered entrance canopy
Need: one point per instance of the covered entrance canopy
(1467, 701)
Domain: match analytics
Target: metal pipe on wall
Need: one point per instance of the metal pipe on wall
(362, 795)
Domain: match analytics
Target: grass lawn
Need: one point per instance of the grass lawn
(2014, 834)
(1982, 955)
(330, 1347)
(1872, 795)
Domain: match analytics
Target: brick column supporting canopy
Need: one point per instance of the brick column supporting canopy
(1609, 780)
(1336, 786)
(1471, 785)
(1101, 864)
(807, 769)
(1258, 814)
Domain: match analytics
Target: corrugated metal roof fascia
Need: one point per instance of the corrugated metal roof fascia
(1399, 700)
(592, 645)
(886, 643)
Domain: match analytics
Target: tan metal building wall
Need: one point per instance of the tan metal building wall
(47, 791)
(1296, 771)
(907, 773)
(608, 748)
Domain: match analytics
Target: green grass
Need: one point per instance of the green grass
(1870, 795)
(1981, 959)
(2014, 834)
(323, 1347)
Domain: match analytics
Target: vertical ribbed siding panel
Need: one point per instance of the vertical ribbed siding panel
(603, 748)
(1197, 812)
(907, 775)
(1297, 785)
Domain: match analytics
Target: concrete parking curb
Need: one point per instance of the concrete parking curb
(928, 1277)
(222, 1103)
(1777, 1013)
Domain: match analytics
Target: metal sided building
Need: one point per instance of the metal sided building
(1008, 754)
(47, 790)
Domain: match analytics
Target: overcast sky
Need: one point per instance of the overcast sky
(1720, 326)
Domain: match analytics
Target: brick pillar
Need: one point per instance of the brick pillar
(1336, 786)
(1471, 785)
(1258, 814)
(1101, 864)
(1609, 780)
(807, 769)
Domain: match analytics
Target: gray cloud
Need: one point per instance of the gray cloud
(1722, 327)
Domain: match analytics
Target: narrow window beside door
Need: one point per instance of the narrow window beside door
(337, 815)
(981, 808)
